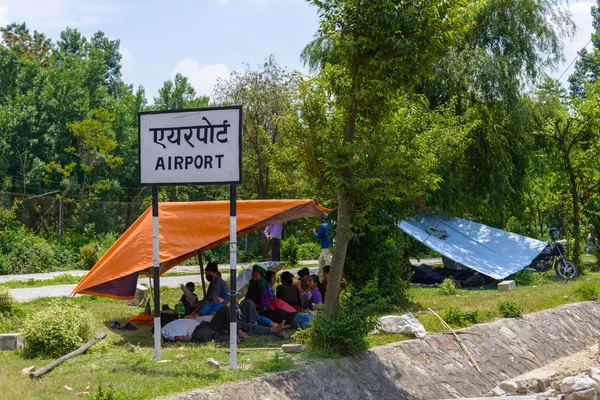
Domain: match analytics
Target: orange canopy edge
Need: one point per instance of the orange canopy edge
(184, 229)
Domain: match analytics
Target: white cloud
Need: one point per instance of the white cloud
(223, 2)
(4, 16)
(202, 78)
(49, 14)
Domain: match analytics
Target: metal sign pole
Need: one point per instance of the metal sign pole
(156, 263)
(232, 277)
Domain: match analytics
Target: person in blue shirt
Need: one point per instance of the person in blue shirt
(324, 234)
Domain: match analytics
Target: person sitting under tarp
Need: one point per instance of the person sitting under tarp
(217, 287)
(189, 329)
(424, 274)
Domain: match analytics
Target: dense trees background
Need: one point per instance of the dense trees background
(409, 106)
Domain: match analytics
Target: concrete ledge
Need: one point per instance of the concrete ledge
(10, 341)
(432, 368)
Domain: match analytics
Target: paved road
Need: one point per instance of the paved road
(31, 293)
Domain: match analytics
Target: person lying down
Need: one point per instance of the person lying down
(217, 329)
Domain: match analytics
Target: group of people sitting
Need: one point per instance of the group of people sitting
(263, 311)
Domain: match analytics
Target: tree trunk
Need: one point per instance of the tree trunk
(345, 204)
(575, 199)
(342, 238)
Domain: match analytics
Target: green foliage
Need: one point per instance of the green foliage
(89, 255)
(376, 256)
(355, 319)
(526, 277)
(510, 309)
(588, 290)
(279, 362)
(109, 394)
(456, 317)
(309, 251)
(7, 302)
(56, 330)
(447, 288)
(289, 251)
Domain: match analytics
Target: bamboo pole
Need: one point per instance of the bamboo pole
(461, 344)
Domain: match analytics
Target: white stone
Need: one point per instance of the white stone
(594, 373)
(509, 386)
(507, 286)
(10, 341)
(588, 394)
(212, 362)
(292, 348)
(576, 383)
(28, 370)
(496, 392)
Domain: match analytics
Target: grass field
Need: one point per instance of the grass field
(124, 361)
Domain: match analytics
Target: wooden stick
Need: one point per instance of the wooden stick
(465, 332)
(81, 350)
(256, 348)
(458, 339)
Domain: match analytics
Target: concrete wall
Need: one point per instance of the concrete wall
(433, 368)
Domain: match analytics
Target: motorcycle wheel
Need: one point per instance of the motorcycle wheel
(568, 271)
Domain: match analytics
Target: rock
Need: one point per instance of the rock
(292, 348)
(10, 341)
(587, 394)
(495, 392)
(509, 386)
(522, 386)
(594, 373)
(212, 362)
(28, 370)
(548, 394)
(577, 383)
(539, 385)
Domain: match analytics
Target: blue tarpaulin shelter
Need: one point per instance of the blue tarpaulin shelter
(491, 251)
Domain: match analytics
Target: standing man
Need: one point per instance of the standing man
(324, 234)
(273, 233)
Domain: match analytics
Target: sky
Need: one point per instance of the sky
(205, 39)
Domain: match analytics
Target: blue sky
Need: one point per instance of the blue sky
(203, 39)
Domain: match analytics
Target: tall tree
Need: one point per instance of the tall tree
(266, 94)
(587, 66)
(378, 48)
(178, 94)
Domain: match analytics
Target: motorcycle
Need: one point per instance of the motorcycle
(553, 256)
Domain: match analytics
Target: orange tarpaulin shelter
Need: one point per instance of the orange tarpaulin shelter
(184, 229)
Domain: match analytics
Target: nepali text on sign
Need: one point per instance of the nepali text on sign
(191, 146)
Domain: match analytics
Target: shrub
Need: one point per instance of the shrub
(588, 290)
(527, 277)
(346, 334)
(89, 255)
(108, 394)
(56, 330)
(377, 252)
(7, 302)
(510, 309)
(457, 317)
(309, 251)
(448, 288)
(289, 251)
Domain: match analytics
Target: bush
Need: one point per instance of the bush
(448, 288)
(377, 253)
(588, 290)
(7, 302)
(289, 251)
(56, 330)
(346, 334)
(89, 255)
(527, 277)
(459, 318)
(510, 309)
(108, 394)
(309, 251)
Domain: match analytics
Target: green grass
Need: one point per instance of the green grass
(63, 279)
(131, 371)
